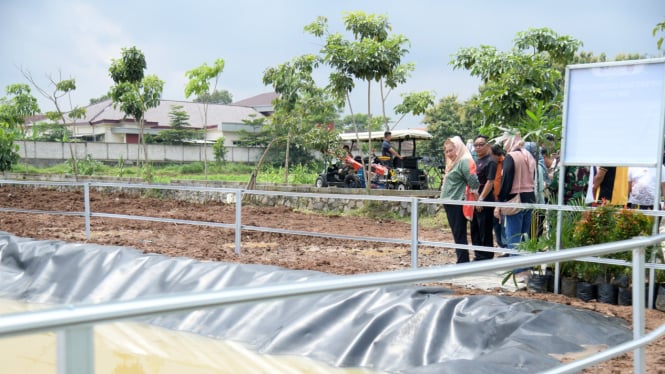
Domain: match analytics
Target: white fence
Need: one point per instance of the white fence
(130, 152)
(74, 323)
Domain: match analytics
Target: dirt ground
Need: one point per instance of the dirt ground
(289, 251)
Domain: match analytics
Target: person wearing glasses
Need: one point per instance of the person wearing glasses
(458, 176)
(483, 220)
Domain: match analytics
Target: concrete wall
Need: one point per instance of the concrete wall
(102, 151)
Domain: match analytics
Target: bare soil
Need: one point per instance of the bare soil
(289, 251)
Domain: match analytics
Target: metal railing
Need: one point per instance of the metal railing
(74, 323)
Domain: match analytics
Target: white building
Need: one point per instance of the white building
(104, 123)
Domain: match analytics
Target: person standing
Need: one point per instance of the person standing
(642, 186)
(575, 184)
(610, 185)
(499, 224)
(483, 220)
(541, 182)
(519, 169)
(458, 175)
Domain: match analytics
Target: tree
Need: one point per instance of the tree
(529, 77)
(302, 109)
(135, 93)
(60, 89)
(219, 150)
(258, 137)
(415, 103)
(179, 133)
(360, 120)
(262, 134)
(8, 150)
(522, 90)
(96, 100)
(374, 55)
(446, 119)
(199, 84)
(17, 107)
(216, 97)
(660, 27)
(588, 57)
(50, 132)
(14, 109)
(179, 117)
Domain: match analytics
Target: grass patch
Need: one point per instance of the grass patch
(429, 221)
(375, 209)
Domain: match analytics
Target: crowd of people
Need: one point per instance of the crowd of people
(514, 171)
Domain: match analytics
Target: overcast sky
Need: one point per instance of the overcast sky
(79, 38)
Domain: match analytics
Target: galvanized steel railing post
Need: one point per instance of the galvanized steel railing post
(75, 350)
(238, 220)
(639, 355)
(414, 232)
(86, 203)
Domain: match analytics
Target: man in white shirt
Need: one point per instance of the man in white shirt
(642, 186)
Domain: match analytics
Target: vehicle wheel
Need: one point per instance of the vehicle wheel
(401, 187)
(352, 181)
(320, 182)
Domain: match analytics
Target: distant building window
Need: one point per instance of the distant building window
(132, 138)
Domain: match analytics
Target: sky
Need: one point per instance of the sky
(67, 39)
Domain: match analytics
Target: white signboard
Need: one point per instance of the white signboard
(615, 113)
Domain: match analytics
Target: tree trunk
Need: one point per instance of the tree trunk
(355, 128)
(148, 175)
(370, 149)
(75, 167)
(383, 105)
(205, 140)
(205, 155)
(252, 179)
(286, 158)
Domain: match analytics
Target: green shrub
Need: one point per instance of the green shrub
(608, 223)
(219, 150)
(193, 168)
(85, 166)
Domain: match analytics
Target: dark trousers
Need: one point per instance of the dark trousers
(457, 223)
(482, 232)
(499, 233)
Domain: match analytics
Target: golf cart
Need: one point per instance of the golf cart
(385, 173)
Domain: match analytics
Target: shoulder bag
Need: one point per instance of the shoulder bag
(468, 196)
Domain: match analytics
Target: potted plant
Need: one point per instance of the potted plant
(538, 279)
(547, 241)
(606, 223)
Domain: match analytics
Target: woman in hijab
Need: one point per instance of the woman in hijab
(519, 168)
(458, 176)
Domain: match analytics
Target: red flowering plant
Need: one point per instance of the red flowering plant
(608, 223)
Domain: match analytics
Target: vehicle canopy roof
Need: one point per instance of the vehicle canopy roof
(398, 135)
